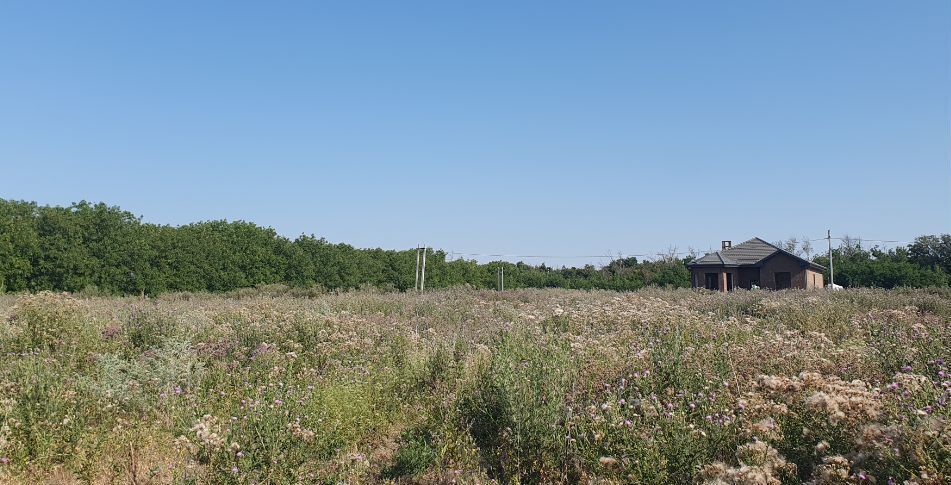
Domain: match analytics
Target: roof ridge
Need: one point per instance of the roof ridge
(756, 251)
(766, 243)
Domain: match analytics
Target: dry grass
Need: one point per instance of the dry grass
(475, 386)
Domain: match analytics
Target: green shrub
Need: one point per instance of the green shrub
(415, 455)
(54, 323)
(516, 411)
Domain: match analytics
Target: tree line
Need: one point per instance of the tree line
(102, 248)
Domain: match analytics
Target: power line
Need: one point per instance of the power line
(563, 256)
(862, 239)
(647, 255)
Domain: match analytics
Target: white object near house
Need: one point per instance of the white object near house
(833, 286)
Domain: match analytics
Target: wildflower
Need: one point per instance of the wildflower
(758, 463)
(206, 430)
(834, 469)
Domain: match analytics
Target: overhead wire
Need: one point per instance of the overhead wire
(647, 255)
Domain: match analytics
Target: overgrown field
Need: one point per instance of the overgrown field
(526, 386)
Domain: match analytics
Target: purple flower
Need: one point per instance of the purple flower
(234, 469)
(4, 460)
(178, 390)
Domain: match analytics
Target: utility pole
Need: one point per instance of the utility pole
(416, 283)
(422, 281)
(503, 278)
(831, 271)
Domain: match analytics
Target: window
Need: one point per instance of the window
(711, 281)
(783, 280)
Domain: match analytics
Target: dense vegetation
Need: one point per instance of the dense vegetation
(470, 386)
(108, 250)
(101, 249)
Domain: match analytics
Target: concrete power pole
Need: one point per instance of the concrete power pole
(416, 283)
(422, 280)
(831, 270)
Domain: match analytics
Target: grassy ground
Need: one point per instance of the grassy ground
(476, 386)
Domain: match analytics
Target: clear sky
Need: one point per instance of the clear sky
(531, 128)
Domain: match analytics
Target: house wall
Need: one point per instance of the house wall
(814, 280)
(698, 276)
(783, 263)
(802, 278)
(747, 276)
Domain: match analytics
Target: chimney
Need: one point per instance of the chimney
(725, 245)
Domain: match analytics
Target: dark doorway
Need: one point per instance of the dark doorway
(729, 282)
(783, 281)
(711, 281)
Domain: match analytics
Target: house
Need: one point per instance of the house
(754, 263)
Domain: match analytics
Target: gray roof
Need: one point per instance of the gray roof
(752, 252)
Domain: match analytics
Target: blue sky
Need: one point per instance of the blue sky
(531, 128)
